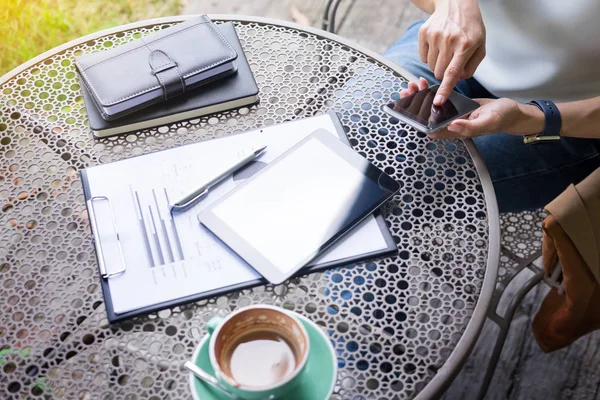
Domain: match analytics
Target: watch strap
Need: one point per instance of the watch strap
(552, 122)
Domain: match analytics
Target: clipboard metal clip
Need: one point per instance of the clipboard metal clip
(101, 262)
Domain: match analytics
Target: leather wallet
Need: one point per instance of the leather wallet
(156, 67)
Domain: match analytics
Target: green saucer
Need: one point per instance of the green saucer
(317, 381)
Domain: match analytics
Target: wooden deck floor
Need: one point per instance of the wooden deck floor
(524, 372)
(354, 17)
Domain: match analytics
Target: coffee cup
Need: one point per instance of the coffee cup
(258, 352)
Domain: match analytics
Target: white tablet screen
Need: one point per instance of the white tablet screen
(289, 211)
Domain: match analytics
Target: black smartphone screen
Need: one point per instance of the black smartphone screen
(419, 107)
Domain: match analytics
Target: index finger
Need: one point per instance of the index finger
(451, 77)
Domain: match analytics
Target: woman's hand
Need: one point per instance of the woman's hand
(452, 43)
(500, 115)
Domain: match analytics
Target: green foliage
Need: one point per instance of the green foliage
(30, 27)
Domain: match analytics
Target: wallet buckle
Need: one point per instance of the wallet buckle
(166, 72)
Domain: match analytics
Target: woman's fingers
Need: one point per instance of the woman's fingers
(473, 62)
(423, 44)
(443, 60)
(414, 87)
(451, 76)
(432, 56)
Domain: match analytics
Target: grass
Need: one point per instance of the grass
(30, 27)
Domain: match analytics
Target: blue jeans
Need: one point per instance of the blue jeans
(524, 177)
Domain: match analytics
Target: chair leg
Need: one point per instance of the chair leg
(325, 23)
(329, 14)
(504, 322)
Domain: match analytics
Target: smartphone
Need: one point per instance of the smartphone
(418, 110)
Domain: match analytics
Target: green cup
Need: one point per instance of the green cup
(258, 352)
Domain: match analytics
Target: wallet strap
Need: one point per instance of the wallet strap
(167, 73)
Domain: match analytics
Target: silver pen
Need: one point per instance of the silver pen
(197, 194)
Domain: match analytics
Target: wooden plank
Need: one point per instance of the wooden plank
(374, 25)
(467, 383)
(255, 7)
(377, 24)
(583, 381)
(570, 373)
(524, 371)
(281, 9)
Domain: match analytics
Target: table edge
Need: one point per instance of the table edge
(452, 366)
(448, 372)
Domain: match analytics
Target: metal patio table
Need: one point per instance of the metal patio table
(401, 326)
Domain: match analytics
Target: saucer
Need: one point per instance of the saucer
(316, 382)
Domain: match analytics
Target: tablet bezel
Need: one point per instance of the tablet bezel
(256, 259)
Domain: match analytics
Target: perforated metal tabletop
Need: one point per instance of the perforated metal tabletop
(401, 326)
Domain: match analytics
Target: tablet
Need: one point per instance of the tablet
(300, 204)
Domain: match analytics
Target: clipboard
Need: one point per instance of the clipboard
(112, 237)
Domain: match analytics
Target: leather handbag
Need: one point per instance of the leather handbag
(571, 243)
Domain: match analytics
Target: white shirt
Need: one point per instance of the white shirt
(541, 49)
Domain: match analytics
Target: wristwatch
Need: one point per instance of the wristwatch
(552, 123)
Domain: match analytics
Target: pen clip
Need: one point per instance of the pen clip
(181, 207)
(101, 263)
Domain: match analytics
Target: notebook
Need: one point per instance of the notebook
(155, 67)
(156, 259)
(234, 91)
